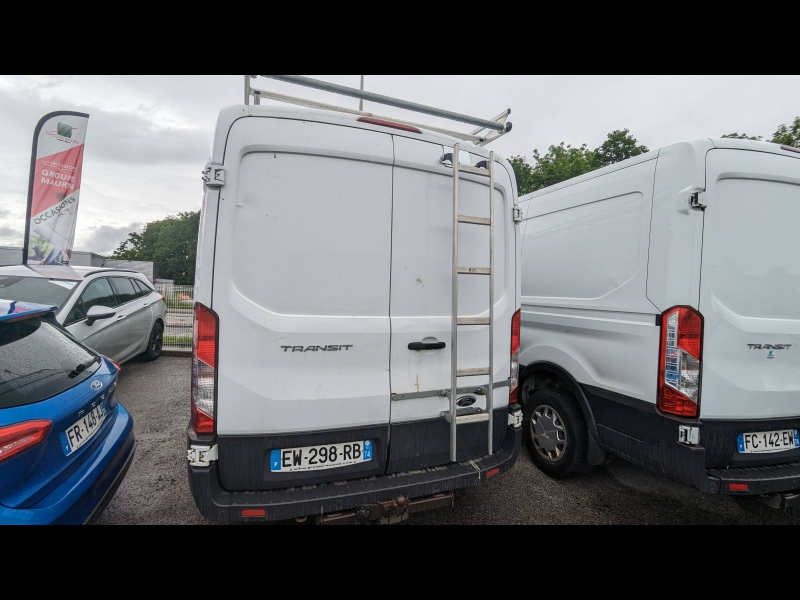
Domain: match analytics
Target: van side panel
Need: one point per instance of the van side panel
(301, 282)
(584, 262)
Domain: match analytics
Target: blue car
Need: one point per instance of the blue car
(65, 441)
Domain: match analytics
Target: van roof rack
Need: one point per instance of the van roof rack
(487, 130)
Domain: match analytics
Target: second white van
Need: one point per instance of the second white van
(661, 318)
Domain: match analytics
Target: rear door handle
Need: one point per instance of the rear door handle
(426, 345)
(146, 304)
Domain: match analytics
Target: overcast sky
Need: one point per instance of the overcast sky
(148, 136)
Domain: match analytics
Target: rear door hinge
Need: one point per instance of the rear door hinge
(517, 214)
(695, 201)
(214, 176)
(201, 456)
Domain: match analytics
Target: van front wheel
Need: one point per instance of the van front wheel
(555, 433)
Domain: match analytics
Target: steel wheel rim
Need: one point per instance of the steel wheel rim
(548, 432)
(156, 341)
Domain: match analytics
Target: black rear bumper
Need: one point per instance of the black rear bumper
(638, 432)
(218, 504)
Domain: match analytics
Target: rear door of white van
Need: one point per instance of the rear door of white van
(301, 289)
(421, 301)
(750, 286)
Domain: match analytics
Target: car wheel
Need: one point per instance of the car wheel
(555, 433)
(155, 342)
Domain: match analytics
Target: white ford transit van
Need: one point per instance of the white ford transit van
(661, 317)
(323, 309)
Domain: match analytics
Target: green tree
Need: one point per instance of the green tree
(620, 145)
(523, 172)
(564, 162)
(742, 136)
(788, 135)
(170, 243)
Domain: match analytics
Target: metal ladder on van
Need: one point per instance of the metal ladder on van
(471, 415)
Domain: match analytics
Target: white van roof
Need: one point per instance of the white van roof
(697, 148)
(229, 114)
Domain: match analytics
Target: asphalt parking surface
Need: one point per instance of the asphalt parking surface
(156, 489)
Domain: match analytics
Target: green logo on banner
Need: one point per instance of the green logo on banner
(64, 130)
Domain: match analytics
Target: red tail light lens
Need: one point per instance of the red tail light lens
(516, 324)
(19, 437)
(391, 124)
(679, 361)
(204, 368)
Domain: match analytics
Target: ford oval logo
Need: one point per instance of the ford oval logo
(97, 384)
(466, 401)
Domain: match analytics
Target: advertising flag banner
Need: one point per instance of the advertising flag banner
(54, 188)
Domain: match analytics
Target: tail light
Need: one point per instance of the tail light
(19, 437)
(679, 361)
(515, 345)
(204, 368)
(392, 124)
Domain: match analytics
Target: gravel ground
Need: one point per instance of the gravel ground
(156, 489)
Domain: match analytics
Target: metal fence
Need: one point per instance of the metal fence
(180, 314)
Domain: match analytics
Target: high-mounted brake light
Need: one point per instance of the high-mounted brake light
(515, 346)
(382, 123)
(679, 361)
(19, 437)
(204, 368)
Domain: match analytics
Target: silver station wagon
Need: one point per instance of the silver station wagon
(117, 313)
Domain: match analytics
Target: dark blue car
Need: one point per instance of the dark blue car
(65, 441)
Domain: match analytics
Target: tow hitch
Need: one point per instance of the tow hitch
(387, 512)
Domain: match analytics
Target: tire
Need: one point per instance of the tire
(555, 433)
(154, 342)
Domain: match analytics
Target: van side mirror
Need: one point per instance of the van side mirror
(99, 312)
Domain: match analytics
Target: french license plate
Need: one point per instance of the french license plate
(768, 441)
(312, 458)
(83, 429)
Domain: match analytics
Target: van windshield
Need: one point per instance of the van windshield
(38, 361)
(39, 290)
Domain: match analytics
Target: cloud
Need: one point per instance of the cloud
(104, 239)
(10, 236)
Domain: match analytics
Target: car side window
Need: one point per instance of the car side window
(142, 289)
(77, 313)
(125, 290)
(97, 293)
